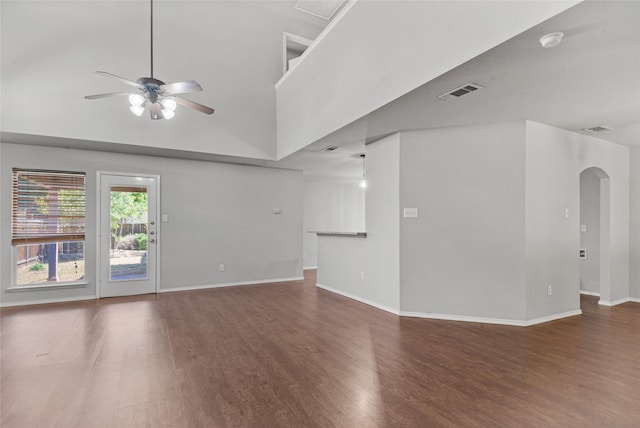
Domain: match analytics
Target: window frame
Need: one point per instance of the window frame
(46, 238)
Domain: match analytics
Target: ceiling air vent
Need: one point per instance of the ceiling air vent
(460, 91)
(330, 149)
(596, 129)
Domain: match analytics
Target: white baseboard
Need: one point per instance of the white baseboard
(46, 301)
(360, 299)
(519, 323)
(616, 302)
(634, 299)
(553, 317)
(310, 268)
(590, 293)
(500, 321)
(228, 284)
(446, 317)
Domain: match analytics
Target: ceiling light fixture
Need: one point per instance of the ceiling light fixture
(551, 40)
(363, 182)
(160, 98)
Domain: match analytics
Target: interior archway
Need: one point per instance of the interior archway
(595, 221)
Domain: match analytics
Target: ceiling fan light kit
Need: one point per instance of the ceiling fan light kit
(158, 97)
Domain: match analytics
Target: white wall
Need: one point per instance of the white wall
(634, 253)
(492, 233)
(219, 213)
(555, 158)
(393, 47)
(330, 206)
(343, 261)
(464, 254)
(590, 239)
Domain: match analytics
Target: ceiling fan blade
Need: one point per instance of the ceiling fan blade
(111, 94)
(121, 79)
(191, 104)
(180, 87)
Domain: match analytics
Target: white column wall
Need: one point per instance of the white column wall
(368, 269)
(464, 255)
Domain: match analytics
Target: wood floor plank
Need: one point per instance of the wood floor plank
(292, 355)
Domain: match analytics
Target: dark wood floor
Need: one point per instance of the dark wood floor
(292, 355)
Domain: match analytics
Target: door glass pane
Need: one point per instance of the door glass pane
(128, 255)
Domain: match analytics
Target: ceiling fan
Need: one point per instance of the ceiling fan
(160, 98)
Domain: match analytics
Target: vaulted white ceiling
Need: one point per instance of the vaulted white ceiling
(233, 48)
(50, 50)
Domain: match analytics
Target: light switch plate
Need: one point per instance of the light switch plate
(583, 228)
(410, 212)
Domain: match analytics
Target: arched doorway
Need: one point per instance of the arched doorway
(595, 221)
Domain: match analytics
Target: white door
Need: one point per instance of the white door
(128, 235)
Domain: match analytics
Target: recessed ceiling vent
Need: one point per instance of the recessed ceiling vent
(597, 129)
(460, 91)
(330, 149)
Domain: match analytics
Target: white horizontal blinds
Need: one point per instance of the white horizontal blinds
(48, 206)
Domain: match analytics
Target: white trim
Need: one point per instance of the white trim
(446, 317)
(317, 40)
(615, 302)
(500, 321)
(45, 301)
(359, 299)
(310, 268)
(463, 318)
(590, 293)
(634, 299)
(553, 317)
(99, 175)
(50, 286)
(229, 284)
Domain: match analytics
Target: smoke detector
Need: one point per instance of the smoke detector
(551, 40)
(596, 129)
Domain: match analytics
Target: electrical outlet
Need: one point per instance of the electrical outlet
(549, 290)
(221, 267)
(361, 275)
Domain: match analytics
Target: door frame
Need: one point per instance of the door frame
(99, 214)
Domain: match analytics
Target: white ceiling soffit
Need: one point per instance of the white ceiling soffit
(325, 9)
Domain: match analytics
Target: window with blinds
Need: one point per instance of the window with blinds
(48, 206)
